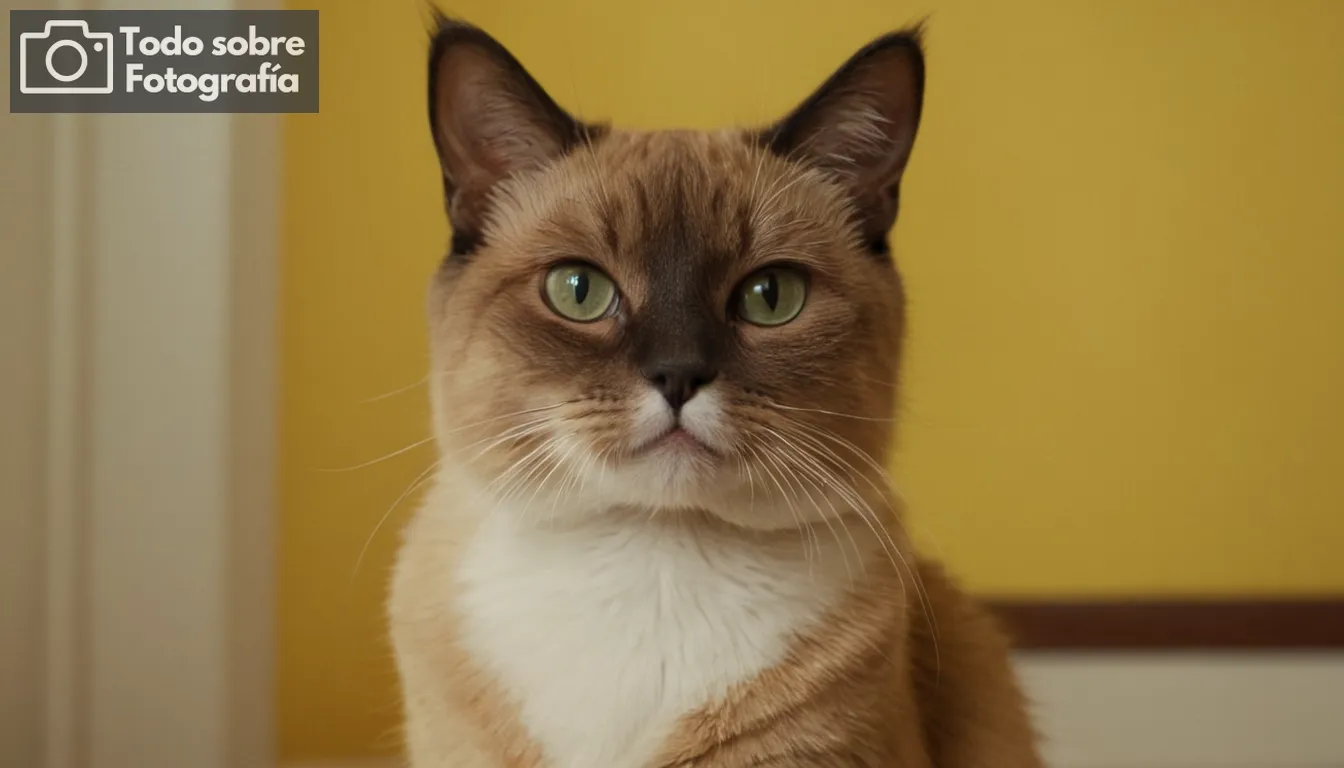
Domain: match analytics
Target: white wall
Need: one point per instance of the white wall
(1189, 710)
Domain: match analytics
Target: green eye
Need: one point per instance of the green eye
(773, 296)
(579, 292)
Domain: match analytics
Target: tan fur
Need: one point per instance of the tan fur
(876, 689)
(455, 713)
(904, 671)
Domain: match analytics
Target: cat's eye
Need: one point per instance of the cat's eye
(579, 292)
(772, 296)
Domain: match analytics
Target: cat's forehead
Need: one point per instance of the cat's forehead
(681, 168)
(698, 192)
(728, 150)
(674, 192)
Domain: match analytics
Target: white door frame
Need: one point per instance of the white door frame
(159, 556)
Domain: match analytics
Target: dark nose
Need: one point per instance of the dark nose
(679, 382)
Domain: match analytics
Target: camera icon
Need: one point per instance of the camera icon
(84, 65)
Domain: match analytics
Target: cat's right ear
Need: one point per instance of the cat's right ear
(860, 126)
(490, 120)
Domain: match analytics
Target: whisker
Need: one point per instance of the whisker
(536, 462)
(419, 480)
(589, 460)
(832, 413)
(513, 479)
(859, 452)
(792, 500)
(380, 459)
(834, 512)
(865, 511)
(524, 412)
(537, 488)
(517, 434)
(800, 431)
(751, 480)
(552, 457)
(397, 391)
(802, 535)
(506, 477)
(573, 473)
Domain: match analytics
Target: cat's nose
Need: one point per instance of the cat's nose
(679, 381)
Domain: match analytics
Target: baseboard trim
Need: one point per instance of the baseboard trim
(1159, 625)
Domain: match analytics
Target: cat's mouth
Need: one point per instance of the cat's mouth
(675, 440)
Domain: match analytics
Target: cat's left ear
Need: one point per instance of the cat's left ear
(490, 120)
(860, 126)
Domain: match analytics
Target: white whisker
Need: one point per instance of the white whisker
(798, 466)
(869, 515)
(790, 499)
(831, 413)
(798, 521)
(419, 480)
(524, 412)
(397, 391)
(380, 459)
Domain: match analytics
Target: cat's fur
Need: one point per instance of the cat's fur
(569, 596)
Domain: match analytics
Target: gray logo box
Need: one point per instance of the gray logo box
(163, 61)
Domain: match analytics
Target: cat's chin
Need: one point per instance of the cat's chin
(683, 478)
(677, 472)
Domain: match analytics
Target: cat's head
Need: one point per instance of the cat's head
(668, 320)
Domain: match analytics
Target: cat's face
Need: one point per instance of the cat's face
(672, 320)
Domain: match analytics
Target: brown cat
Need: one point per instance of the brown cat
(660, 533)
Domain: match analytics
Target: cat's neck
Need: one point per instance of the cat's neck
(634, 618)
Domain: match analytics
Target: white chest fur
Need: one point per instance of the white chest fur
(606, 635)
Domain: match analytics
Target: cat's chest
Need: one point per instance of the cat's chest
(607, 636)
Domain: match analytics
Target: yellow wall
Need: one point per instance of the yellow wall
(1123, 239)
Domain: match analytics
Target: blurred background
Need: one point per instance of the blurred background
(1123, 421)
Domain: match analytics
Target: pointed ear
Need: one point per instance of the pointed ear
(860, 126)
(490, 120)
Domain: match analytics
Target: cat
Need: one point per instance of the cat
(660, 532)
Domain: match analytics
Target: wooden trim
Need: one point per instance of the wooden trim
(1163, 625)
